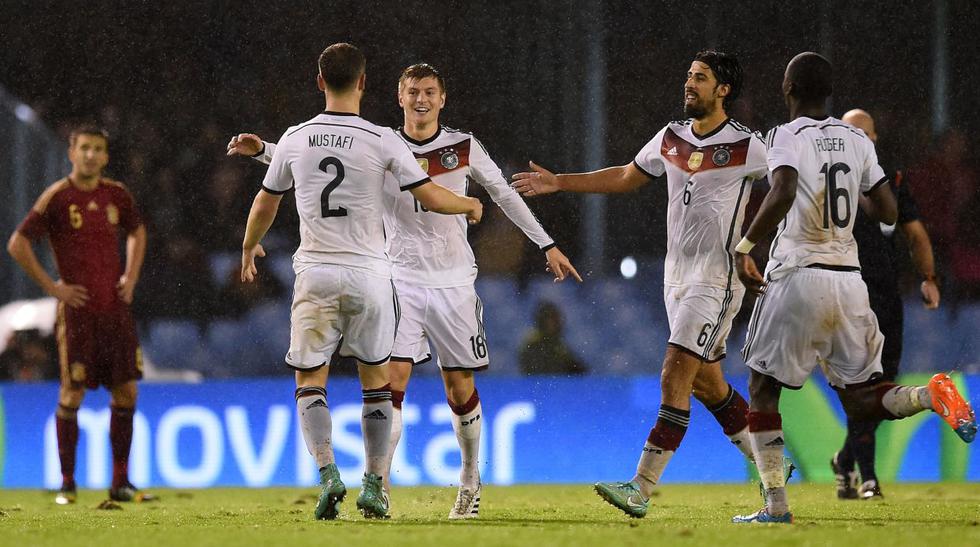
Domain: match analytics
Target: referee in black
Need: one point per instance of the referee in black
(879, 268)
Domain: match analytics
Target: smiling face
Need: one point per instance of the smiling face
(702, 93)
(421, 99)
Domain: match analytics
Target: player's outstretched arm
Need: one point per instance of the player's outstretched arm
(438, 199)
(135, 253)
(559, 265)
(260, 218)
(881, 204)
(20, 249)
(611, 180)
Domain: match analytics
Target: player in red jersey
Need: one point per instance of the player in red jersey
(82, 215)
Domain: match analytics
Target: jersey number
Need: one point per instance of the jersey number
(703, 337)
(833, 195)
(479, 346)
(687, 192)
(75, 216)
(325, 210)
(419, 206)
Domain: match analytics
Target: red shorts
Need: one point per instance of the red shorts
(97, 347)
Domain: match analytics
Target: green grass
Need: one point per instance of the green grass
(928, 514)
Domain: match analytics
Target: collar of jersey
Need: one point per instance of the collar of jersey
(711, 133)
(332, 113)
(420, 143)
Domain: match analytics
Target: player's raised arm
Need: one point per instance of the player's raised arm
(438, 199)
(611, 180)
(251, 145)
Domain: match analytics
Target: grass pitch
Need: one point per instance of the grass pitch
(929, 514)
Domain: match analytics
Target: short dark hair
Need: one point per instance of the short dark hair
(727, 70)
(87, 129)
(341, 65)
(419, 71)
(812, 75)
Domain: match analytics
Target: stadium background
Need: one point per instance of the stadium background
(573, 85)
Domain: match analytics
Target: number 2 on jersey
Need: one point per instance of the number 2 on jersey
(325, 210)
(833, 195)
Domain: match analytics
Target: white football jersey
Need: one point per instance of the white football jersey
(835, 161)
(430, 250)
(337, 164)
(709, 179)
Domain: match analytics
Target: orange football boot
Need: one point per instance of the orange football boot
(952, 407)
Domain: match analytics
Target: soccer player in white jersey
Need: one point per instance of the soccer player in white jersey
(434, 268)
(814, 306)
(710, 161)
(343, 293)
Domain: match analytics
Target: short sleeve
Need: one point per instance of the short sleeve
(756, 162)
(649, 159)
(400, 161)
(907, 210)
(872, 175)
(129, 215)
(35, 225)
(783, 149)
(279, 177)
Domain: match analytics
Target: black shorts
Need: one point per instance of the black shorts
(886, 302)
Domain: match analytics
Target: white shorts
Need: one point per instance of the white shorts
(450, 319)
(340, 305)
(700, 317)
(813, 316)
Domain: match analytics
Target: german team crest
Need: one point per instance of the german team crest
(449, 160)
(423, 163)
(721, 157)
(694, 162)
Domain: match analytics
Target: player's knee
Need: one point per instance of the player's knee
(125, 395)
(70, 396)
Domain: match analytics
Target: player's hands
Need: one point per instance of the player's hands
(538, 182)
(930, 294)
(559, 265)
(244, 144)
(474, 215)
(125, 288)
(749, 274)
(248, 262)
(75, 296)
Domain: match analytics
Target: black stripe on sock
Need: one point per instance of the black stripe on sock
(310, 391)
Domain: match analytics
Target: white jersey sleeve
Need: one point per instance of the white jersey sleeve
(649, 160)
(265, 155)
(279, 177)
(872, 175)
(756, 162)
(487, 174)
(401, 163)
(784, 149)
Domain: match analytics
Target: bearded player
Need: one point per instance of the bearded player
(710, 161)
(434, 268)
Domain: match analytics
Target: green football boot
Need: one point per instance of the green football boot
(331, 494)
(624, 495)
(373, 502)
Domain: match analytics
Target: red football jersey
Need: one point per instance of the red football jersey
(83, 227)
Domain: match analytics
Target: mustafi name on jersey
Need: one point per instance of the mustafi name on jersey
(329, 139)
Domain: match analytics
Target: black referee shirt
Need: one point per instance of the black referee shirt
(876, 243)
